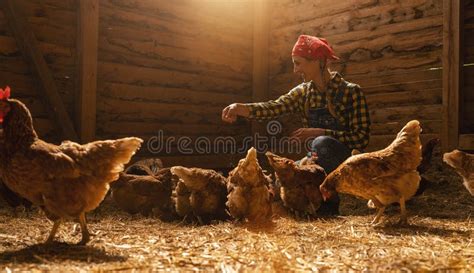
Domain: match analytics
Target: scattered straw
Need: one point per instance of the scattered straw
(440, 237)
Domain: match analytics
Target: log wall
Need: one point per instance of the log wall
(467, 112)
(53, 23)
(172, 66)
(168, 66)
(391, 48)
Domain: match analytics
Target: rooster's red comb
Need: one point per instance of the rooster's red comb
(5, 93)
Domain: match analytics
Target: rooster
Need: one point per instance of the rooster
(463, 164)
(248, 196)
(66, 181)
(299, 189)
(385, 176)
(202, 193)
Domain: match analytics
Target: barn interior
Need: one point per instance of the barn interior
(164, 70)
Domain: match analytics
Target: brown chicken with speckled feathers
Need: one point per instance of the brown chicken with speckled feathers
(146, 194)
(248, 196)
(299, 189)
(66, 181)
(200, 193)
(383, 177)
(463, 164)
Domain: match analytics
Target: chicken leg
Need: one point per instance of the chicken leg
(56, 224)
(380, 211)
(403, 212)
(375, 203)
(85, 233)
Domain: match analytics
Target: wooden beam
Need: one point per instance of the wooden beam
(30, 49)
(452, 70)
(87, 47)
(260, 75)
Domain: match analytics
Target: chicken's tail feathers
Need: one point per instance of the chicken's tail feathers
(249, 170)
(411, 129)
(125, 149)
(129, 145)
(105, 159)
(408, 144)
(250, 159)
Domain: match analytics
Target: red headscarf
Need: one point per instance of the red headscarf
(313, 48)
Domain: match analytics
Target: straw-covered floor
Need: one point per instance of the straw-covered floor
(440, 237)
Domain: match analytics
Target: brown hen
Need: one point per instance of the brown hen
(383, 177)
(146, 194)
(299, 189)
(248, 191)
(66, 181)
(463, 163)
(201, 193)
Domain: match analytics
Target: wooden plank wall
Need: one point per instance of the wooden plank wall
(172, 66)
(54, 25)
(391, 48)
(467, 112)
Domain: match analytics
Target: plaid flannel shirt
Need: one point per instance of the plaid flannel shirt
(349, 104)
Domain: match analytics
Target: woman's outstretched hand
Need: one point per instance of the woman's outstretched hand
(231, 112)
(302, 134)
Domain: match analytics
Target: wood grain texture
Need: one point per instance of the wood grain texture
(392, 49)
(260, 76)
(451, 73)
(53, 23)
(28, 43)
(87, 50)
(467, 88)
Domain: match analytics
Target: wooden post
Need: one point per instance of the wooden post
(260, 56)
(87, 47)
(452, 70)
(29, 46)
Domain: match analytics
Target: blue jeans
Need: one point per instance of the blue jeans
(331, 152)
